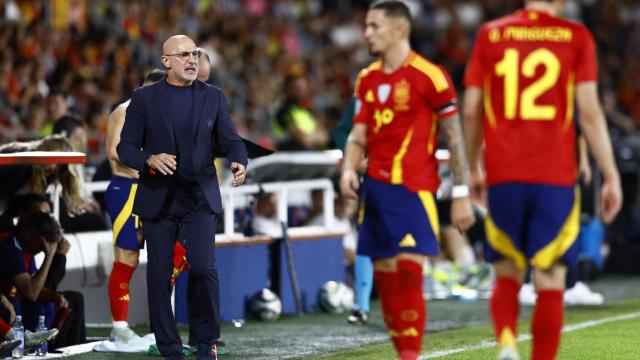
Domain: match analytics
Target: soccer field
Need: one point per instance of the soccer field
(455, 331)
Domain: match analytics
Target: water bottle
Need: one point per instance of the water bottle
(41, 350)
(18, 333)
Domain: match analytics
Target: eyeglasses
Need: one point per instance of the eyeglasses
(184, 56)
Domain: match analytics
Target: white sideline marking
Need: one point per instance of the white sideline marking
(526, 337)
(66, 351)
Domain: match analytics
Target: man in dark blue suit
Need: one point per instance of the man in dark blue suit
(169, 134)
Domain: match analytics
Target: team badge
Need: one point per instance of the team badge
(384, 90)
(401, 92)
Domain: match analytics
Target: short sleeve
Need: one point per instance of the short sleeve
(474, 71)
(361, 111)
(586, 60)
(445, 102)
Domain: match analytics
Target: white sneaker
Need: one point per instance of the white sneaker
(527, 295)
(508, 353)
(124, 334)
(580, 294)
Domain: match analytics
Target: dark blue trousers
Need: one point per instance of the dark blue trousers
(185, 213)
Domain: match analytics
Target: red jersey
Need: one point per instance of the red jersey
(400, 111)
(528, 64)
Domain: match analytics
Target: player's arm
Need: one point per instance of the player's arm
(472, 126)
(594, 128)
(29, 286)
(114, 127)
(355, 150)
(462, 215)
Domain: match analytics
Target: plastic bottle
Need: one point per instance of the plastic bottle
(18, 333)
(41, 350)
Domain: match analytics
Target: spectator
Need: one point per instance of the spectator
(36, 178)
(295, 124)
(57, 106)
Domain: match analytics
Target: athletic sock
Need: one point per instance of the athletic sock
(546, 324)
(413, 312)
(179, 261)
(403, 307)
(363, 282)
(504, 308)
(119, 290)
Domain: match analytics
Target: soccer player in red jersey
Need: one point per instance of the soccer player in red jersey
(402, 102)
(526, 72)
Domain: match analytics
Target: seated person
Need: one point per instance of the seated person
(20, 281)
(73, 330)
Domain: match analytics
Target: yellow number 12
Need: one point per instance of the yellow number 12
(509, 68)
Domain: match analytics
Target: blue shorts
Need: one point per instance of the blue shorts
(533, 224)
(392, 219)
(119, 202)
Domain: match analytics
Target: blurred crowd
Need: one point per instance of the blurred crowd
(82, 57)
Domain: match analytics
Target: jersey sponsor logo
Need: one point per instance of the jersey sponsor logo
(369, 97)
(384, 90)
(401, 93)
(408, 241)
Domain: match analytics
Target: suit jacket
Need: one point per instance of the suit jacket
(148, 130)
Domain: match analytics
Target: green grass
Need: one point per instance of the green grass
(451, 325)
(614, 340)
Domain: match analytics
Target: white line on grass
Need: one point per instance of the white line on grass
(66, 351)
(526, 337)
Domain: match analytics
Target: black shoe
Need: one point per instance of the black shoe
(358, 317)
(207, 352)
(7, 346)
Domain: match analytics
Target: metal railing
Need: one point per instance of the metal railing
(231, 194)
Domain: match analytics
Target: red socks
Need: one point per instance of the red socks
(179, 261)
(546, 324)
(119, 290)
(403, 307)
(504, 308)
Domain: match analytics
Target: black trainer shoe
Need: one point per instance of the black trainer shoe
(358, 317)
(207, 352)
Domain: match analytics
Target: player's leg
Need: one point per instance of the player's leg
(553, 231)
(503, 304)
(504, 225)
(547, 319)
(363, 287)
(400, 229)
(127, 243)
(399, 284)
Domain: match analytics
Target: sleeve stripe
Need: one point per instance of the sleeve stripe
(376, 65)
(447, 109)
(433, 72)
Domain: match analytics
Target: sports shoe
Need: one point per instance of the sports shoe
(123, 334)
(580, 294)
(32, 339)
(527, 295)
(207, 352)
(508, 353)
(358, 317)
(7, 346)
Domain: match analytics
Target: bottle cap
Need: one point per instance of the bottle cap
(18, 317)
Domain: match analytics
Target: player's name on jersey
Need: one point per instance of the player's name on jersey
(531, 33)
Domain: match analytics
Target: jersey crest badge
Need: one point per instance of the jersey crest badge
(401, 91)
